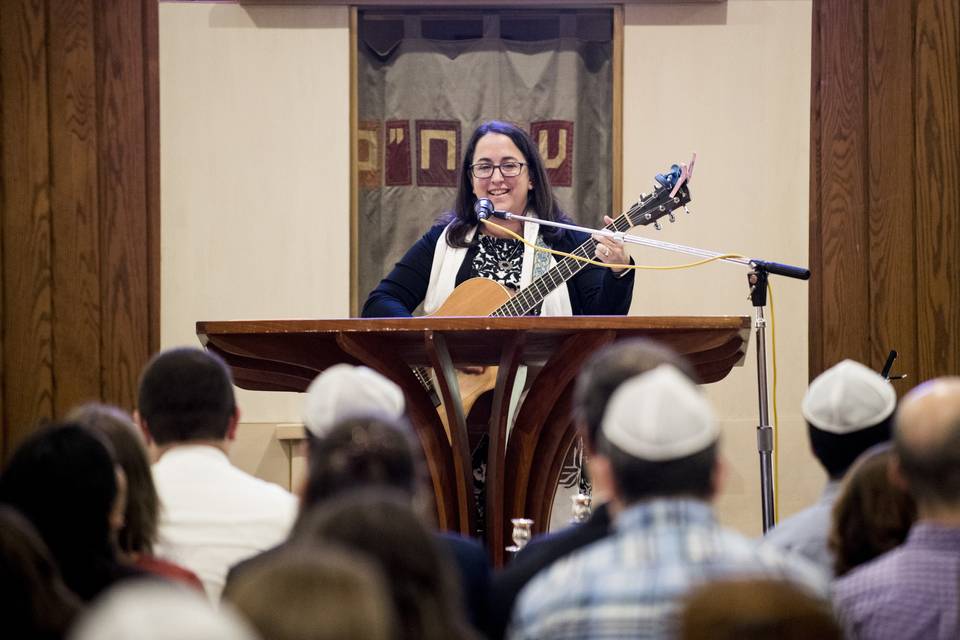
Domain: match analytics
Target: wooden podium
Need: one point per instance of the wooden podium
(522, 473)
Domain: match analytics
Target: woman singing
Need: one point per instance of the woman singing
(502, 164)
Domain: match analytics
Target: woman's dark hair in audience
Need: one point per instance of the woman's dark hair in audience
(872, 515)
(64, 480)
(315, 592)
(186, 394)
(362, 452)
(34, 601)
(140, 521)
(756, 609)
(382, 524)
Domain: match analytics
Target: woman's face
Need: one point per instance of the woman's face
(507, 194)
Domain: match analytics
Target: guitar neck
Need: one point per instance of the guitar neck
(670, 192)
(532, 295)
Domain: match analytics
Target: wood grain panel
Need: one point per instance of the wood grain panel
(79, 223)
(843, 231)
(27, 331)
(122, 193)
(938, 186)
(910, 149)
(891, 169)
(151, 103)
(74, 205)
(815, 322)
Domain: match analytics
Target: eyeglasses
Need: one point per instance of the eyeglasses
(509, 169)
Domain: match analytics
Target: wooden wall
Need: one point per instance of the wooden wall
(79, 210)
(885, 185)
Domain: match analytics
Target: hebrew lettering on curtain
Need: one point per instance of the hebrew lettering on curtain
(426, 80)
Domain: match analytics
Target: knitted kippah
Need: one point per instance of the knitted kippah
(659, 415)
(848, 397)
(344, 391)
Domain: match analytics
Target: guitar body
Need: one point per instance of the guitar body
(474, 297)
(479, 297)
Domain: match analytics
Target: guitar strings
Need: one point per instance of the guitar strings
(652, 243)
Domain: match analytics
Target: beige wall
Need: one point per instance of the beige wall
(255, 187)
(254, 170)
(255, 182)
(730, 81)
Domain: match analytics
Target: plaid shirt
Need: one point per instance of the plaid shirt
(631, 583)
(909, 592)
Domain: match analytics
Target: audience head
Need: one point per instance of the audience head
(872, 515)
(34, 601)
(382, 525)
(927, 444)
(848, 409)
(141, 508)
(660, 437)
(315, 593)
(756, 609)
(361, 452)
(344, 391)
(186, 395)
(157, 610)
(606, 370)
(63, 479)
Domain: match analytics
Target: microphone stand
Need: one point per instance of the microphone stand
(757, 281)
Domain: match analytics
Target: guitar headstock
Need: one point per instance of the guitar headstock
(671, 191)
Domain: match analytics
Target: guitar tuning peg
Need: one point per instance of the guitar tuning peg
(671, 217)
(685, 210)
(656, 225)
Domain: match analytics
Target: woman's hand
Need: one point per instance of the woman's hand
(610, 250)
(472, 370)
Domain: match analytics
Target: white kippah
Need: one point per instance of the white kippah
(344, 391)
(848, 397)
(659, 415)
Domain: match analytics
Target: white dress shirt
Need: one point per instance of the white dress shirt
(213, 514)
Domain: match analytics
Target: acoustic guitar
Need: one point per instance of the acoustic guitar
(483, 297)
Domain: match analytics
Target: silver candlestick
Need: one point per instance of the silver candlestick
(581, 508)
(522, 532)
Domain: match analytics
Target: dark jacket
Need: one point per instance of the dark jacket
(593, 290)
(539, 554)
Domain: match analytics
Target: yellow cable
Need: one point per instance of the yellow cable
(776, 421)
(773, 334)
(606, 264)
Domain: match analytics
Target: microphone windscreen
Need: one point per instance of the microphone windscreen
(483, 208)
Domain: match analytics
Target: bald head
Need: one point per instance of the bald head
(927, 439)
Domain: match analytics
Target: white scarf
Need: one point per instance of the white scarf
(447, 261)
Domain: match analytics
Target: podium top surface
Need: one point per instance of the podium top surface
(280, 349)
(481, 323)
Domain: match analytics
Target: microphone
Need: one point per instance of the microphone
(787, 270)
(483, 208)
